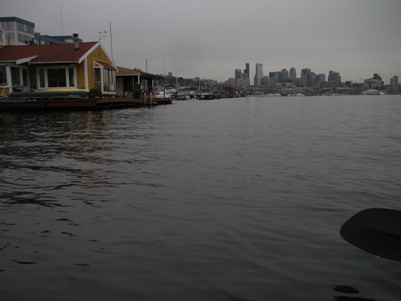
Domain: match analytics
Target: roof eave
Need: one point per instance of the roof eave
(25, 60)
(19, 61)
(83, 57)
(55, 62)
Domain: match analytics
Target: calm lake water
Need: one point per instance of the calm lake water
(231, 199)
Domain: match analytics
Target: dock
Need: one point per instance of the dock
(7, 104)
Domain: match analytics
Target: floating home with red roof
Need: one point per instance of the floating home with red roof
(76, 65)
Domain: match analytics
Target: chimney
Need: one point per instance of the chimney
(76, 42)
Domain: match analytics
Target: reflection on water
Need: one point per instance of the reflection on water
(350, 291)
(236, 199)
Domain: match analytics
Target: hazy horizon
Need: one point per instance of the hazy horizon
(210, 39)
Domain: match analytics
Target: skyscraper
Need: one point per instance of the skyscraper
(238, 74)
(335, 78)
(293, 73)
(284, 75)
(258, 74)
(246, 71)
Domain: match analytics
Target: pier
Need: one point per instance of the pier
(76, 103)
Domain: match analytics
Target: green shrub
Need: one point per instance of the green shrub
(95, 93)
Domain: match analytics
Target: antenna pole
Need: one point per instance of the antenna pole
(61, 15)
(111, 45)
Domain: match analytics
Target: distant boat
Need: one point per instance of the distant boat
(182, 95)
(163, 94)
(372, 92)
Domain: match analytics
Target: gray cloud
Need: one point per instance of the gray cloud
(211, 38)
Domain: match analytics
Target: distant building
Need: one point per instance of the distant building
(305, 77)
(293, 73)
(246, 71)
(258, 74)
(377, 76)
(231, 81)
(16, 31)
(284, 75)
(274, 76)
(334, 78)
(46, 39)
(321, 77)
(394, 81)
(394, 87)
(264, 81)
(374, 83)
(238, 74)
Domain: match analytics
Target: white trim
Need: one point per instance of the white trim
(55, 63)
(85, 56)
(86, 74)
(9, 77)
(101, 78)
(25, 60)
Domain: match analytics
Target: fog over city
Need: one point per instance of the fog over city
(210, 39)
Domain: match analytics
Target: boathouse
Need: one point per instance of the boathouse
(75, 65)
(130, 80)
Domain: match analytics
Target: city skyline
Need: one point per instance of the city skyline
(291, 74)
(190, 38)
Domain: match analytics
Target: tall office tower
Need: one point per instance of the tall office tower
(321, 77)
(305, 72)
(258, 74)
(246, 70)
(238, 73)
(305, 75)
(284, 75)
(394, 85)
(293, 73)
(394, 81)
(334, 77)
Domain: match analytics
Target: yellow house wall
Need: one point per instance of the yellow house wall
(97, 55)
(4, 92)
(81, 76)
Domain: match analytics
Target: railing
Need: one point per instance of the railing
(107, 87)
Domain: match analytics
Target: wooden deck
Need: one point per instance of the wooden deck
(74, 103)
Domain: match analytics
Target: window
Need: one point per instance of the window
(98, 79)
(42, 80)
(8, 25)
(56, 77)
(71, 77)
(23, 38)
(3, 75)
(15, 76)
(30, 30)
(12, 36)
(20, 26)
(104, 78)
(25, 77)
(108, 80)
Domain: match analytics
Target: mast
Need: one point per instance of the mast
(164, 75)
(111, 46)
(61, 17)
(176, 76)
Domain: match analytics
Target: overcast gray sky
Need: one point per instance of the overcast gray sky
(211, 38)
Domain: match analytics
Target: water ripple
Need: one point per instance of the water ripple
(238, 199)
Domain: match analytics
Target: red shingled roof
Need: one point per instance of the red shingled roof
(54, 53)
